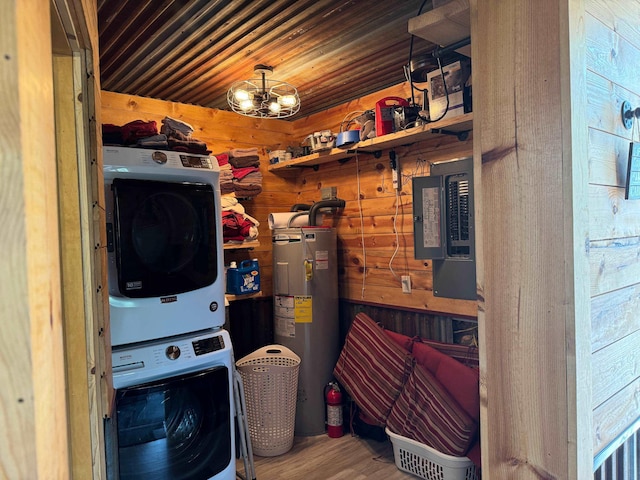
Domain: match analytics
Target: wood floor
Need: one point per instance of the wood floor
(324, 458)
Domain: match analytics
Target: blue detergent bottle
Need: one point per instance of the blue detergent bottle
(243, 279)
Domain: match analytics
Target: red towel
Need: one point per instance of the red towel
(137, 129)
(240, 173)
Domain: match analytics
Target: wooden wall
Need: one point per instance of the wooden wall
(375, 215)
(528, 81)
(33, 395)
(613, 62)
(376, 197)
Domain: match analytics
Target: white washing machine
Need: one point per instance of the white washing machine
(174, 410)
(164, 243)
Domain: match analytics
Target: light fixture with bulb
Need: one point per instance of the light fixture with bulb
(263, 97)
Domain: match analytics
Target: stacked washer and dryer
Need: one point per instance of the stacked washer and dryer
(172, 360)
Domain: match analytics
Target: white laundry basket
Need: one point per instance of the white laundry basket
(270, 377)
(427, 463)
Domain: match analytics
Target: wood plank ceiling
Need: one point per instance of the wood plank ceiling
(191, 51)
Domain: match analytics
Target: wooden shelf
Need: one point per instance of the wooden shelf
(444, 25)
(455, 125)
(244, 245)
(233, 298)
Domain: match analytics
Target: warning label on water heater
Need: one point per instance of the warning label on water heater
(289, 310)
(322, 260)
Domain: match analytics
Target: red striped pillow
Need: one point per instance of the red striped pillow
(427, 413)
(372, 368)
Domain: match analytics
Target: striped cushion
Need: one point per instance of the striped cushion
(465, 354)
(372, 368)
(404, 341)
(426, 413)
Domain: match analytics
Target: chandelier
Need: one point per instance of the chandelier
(263, 97)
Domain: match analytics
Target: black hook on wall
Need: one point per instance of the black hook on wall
(628, 114)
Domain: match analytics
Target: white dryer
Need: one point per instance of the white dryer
(164, 243)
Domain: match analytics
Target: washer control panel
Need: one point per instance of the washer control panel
(152, 360)
(208, 345)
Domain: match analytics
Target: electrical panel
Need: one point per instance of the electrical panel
(443, 227)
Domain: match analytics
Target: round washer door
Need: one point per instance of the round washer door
(165, 232)
(165, 236)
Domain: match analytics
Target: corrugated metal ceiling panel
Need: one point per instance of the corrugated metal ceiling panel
(191, 51)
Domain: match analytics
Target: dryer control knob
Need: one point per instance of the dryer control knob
(172, 352)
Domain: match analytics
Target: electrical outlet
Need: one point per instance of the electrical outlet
(394, 164)
(406, 283)
(328, 193)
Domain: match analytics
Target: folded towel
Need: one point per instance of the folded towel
(241, 162)
(156, 141)
(112, 134)
(133, 131)
(227, 188)
(223, 159)
(236, 226)
(172, 124)
(246, 191)
(229, 201)
(243, 152)
(190, 146)
(239, 173)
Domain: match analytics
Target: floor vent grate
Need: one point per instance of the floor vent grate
(621, 460)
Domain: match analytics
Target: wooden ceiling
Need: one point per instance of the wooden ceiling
(191, 51)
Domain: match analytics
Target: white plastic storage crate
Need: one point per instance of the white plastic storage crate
(426, 462)
(270, 379)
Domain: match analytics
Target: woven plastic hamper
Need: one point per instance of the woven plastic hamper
(427, 463)
(270, 379)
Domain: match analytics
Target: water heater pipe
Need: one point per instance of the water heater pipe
(337, 203)
(298, 207)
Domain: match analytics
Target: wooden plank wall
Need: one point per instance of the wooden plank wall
(33, 395)
(613, 62)
(376, 200)
(375, 217)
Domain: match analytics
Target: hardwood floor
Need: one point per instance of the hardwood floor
(324, 458)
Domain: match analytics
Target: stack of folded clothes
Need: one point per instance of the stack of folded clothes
(174, 135)
(226, 173)
(179, 137)
(131, 133)
(247, 178)
(237, 226)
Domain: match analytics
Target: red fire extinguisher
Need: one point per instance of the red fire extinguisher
(334, 410)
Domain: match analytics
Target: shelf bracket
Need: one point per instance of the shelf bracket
(376, 154)
(314, 167)
(462, 136)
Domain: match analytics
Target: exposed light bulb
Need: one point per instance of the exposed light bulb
(287, 100)
(242, 95)
(246, 104)
(274, 107)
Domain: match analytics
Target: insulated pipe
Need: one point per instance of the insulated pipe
(294, 216)
(337, 203)
(300, 207)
